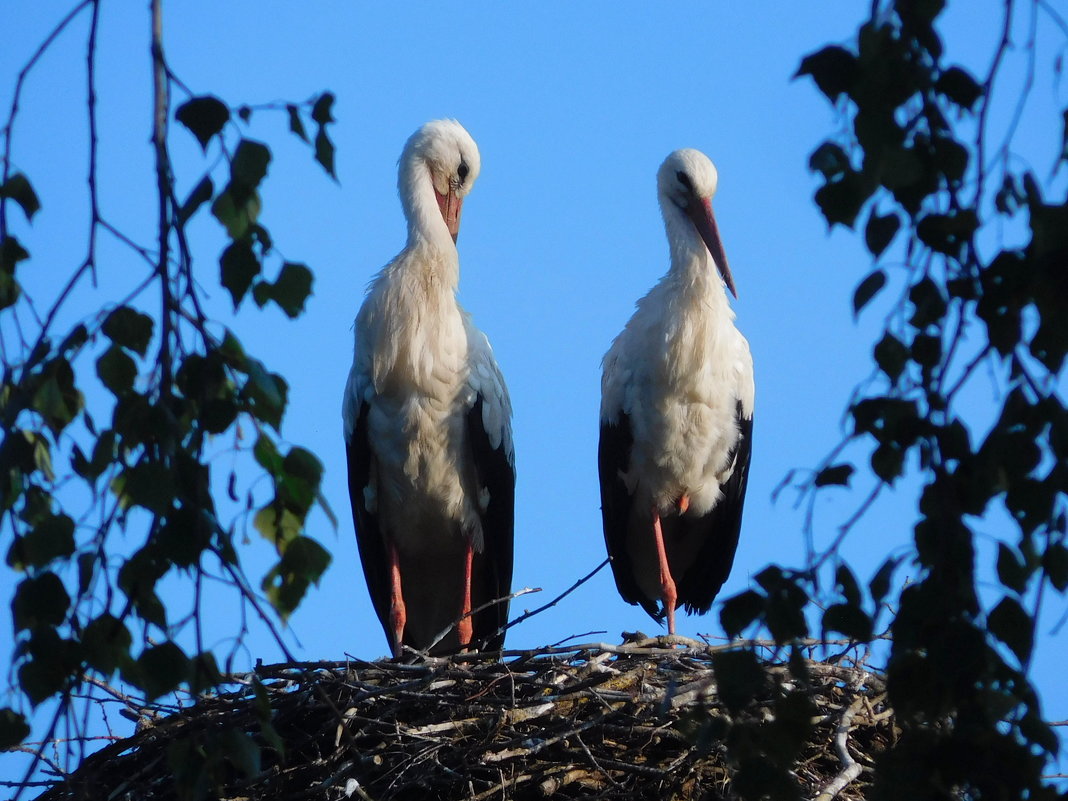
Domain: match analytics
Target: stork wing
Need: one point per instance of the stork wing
(373, 555)
(495, 472)
(613, 461)
(719, 529)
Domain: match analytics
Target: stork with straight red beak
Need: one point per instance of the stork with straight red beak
(427, 425)
(677, 414)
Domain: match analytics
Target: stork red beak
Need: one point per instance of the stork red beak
(705, 223)
(451, 205)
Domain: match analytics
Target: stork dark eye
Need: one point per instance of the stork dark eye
(462, 171)
(684, 179)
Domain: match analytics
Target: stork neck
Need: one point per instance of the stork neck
(426, 226)
(691, 263)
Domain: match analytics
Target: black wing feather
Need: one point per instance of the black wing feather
(719, 529)
(372, 547)
(496, 473)
(613, 460)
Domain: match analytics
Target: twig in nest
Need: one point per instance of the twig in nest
(851, 768)
(553, 602)
(445, 632)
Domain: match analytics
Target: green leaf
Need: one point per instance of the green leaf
(739, 678)
(238, 266)
(250, 164)
(52, 538)
(1012, 572)
(13, 728)
(741, 611)
(204, 673)
(266, 393)
(847, 585)
(161, 669)
(277, 525)
(879, 232)
(54, 661)
(149, 485)
(947, 233)
(322, 110)
(295, 123)
(929, 305)
(116, 370)
(324, 152)
(959, 87)
(241, 750)
(303, 464)
(137, 578)
(237, 211)
(951, 158)
(891, 355)
(867, 290)
(106, 642)
(1013, 626)
(18, 188)
(833, 68)
(834, 475)
(292, 288)
(301, 565)
(849, 620)
(267, 455)
(1055, 563)
(185, 536)
(40, 600)
(86, 571)
(57, 399)
(129, 328)
(829, 159)
(200, 195)
(926, 350)
(77, 337)
(42, 456)
(887, 462)
(261, 706)
(879, 586)
(841, 200)
(11, 253)
(784, 607)
(204, 116)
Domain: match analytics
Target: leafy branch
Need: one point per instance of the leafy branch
(106, 424)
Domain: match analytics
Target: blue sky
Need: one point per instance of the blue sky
(573, 108)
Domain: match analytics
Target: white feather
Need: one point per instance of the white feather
(679, 367)
(420, 363)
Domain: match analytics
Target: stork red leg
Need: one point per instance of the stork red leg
(667, 584)
(465, 627)
(398, 615)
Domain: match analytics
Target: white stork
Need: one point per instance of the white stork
(677, 414)
(427, 424)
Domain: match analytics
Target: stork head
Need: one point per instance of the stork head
(687, 182)
(442, 153)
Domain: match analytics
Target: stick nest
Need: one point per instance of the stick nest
(642, 720)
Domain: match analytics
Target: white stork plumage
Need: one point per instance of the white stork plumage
(427, 424)
(677, 414)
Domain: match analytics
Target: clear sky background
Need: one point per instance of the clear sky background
(573, 107)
